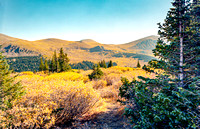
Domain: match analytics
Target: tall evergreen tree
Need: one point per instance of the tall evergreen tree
(46, 66)
(181, 52)
(171, 99)
(110, 64)
(9, 90)
(67, 67)
(55, 62)
(63, 61)
(193, 33)
(58, 66)
(41, 67)
(102, 64)
(53, 65)
(138, 64)
(50, 65)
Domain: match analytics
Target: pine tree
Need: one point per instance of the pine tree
(104, 64)
(58, 66)
(110, 64)
(100, 64)
(46, 66)
(193, 32)
(53, 65)
(54, 62)
(50, 66)
(41, 67)
(181, 52)
(63, 61)
(9, 90)
(171, 99)
(97, 73)
(138, 64)
(67, 67)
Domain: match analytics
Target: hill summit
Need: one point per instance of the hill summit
(86, 49)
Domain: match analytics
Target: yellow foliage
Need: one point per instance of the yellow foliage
(99, 84)
(27, 73)
(53, 99)
(60, 97)
(65, 76)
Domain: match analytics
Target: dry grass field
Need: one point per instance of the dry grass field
(70, 99)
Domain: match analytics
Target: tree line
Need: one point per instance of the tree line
(61, 63)
(55, 64)
(25, 63)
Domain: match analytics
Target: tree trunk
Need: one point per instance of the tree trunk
(181, 28)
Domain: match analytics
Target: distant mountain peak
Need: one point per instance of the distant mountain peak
(87, 40)
(51, 40)
(148, 44)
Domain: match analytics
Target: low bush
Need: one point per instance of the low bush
(50, 102)
(96, 74)
(111, 78)
(99, 84)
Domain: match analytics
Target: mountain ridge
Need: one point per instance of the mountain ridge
(86, 49)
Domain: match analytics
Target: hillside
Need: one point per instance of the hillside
(78, 51)
(148, 44)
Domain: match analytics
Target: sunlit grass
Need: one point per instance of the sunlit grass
(58, 98)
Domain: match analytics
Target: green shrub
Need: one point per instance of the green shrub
(97, 73)
(9, 92)
(158, 103)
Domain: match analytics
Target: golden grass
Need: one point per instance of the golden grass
(59, 98)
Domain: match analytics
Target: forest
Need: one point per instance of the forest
(31, 63)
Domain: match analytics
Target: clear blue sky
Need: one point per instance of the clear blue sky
(106, 21)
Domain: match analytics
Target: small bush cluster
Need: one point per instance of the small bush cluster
(96, 74)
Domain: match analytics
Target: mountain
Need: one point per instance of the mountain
(148, 44)
(16, 47)
(78, 51)
(133, 43)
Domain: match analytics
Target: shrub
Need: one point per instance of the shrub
(111, 78)
(99, 84)
(157, 103)
(96, 74)
(10, 91)
(50, 102)
(109, 93)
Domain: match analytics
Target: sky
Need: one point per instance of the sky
(105, 21)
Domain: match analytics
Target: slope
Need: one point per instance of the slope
(78, 51)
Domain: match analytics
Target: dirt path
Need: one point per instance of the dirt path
(111, 119)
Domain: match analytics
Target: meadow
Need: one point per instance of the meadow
(57, 99)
